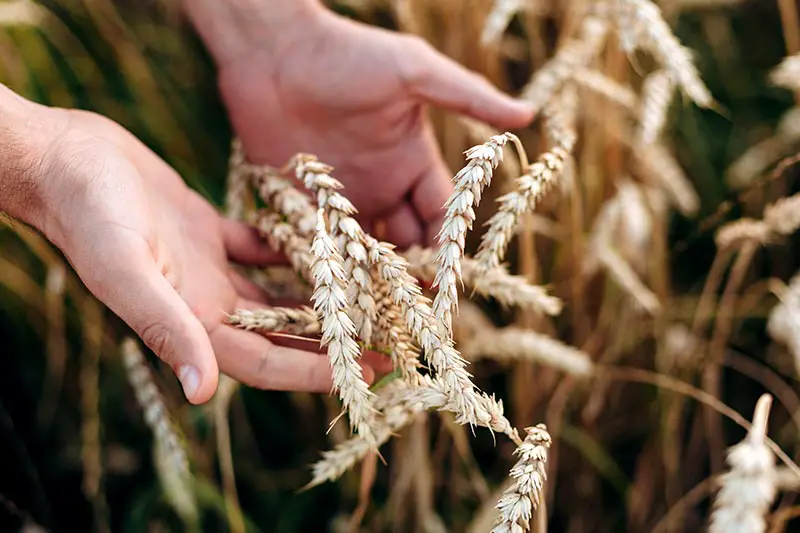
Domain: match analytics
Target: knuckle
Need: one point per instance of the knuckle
(160, 337)
(414, 62)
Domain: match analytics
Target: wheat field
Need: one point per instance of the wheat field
(606, 336)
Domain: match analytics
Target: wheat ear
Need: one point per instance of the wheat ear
(468, 184)
(748, 488)
(531, 187)
(521, 499)
(338, 331)
(171, 458)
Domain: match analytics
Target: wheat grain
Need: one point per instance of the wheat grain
(609, 88)
(470, 406)
(299, 321)
(399, 405)
(330, 303)
(657, 92)
(748, 488)
(171, 457)
(531, 187)
(783, 217)
(784, 320)
(787, 73)
(639, 24)
(283, 236)
(499, 18)
(346, 231)
(517, 344)
(573, 55)
(738, 232)
(496, 283)
(468, 184)
(521, 499)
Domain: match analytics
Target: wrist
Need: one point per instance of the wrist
(231, 28)
(24, 136)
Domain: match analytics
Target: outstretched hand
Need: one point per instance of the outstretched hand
(157, 254)
(354, 96)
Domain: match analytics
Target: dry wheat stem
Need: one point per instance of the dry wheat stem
(338, 331)
(91, 443)
(239, 185)
(297, 321)
(521, 499)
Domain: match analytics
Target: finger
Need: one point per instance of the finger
(403, 227)
(138, 293)
(443, 82)
(247, 289)
(246, 247)
(379, 362)
(252, 359)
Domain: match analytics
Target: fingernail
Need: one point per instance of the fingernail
(190, 380)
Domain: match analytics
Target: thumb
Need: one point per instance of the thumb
(136, 291)
(444, 83)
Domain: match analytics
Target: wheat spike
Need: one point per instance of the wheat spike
(748, 488)
(521, 499)
(330, 303)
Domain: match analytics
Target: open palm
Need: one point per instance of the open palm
(354, 96)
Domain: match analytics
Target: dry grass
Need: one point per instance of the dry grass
(560, 304)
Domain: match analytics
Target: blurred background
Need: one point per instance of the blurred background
(625, 455)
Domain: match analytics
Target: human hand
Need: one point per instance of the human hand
(354, 95)
(154, 251)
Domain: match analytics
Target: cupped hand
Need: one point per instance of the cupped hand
(354, 95)
(157, 254)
